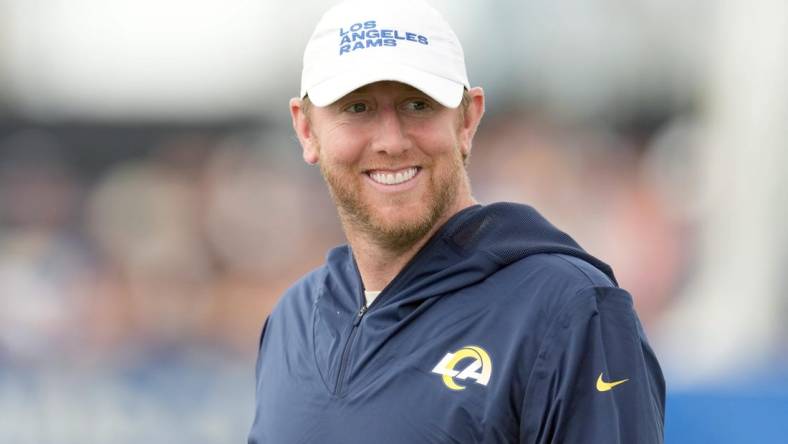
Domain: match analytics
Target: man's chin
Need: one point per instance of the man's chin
(401, 227)
(393, 225)
(399, 235)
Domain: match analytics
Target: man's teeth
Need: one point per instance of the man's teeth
(393, 178)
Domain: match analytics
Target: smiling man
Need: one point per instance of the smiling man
(442, 320)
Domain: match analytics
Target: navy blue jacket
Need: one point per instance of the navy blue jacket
(500, 330)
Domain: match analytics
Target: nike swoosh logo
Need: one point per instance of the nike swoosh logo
(603, 386)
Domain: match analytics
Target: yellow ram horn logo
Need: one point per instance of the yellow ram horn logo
(479, 369)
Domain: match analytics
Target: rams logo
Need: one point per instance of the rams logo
(478, 367)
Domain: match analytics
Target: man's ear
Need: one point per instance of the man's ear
(303, 129)
(471, 119)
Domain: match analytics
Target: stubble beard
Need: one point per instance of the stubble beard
(359, 215)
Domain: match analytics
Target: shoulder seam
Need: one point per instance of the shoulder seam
(585, 273)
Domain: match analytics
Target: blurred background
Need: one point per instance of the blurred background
(153, 203)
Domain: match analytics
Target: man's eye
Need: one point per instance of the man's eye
(356, 108)
(417, 105)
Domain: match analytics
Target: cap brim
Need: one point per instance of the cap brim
(446, 92)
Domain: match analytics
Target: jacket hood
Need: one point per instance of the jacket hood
(475, 243)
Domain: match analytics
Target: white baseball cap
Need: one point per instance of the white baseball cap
(358, 42)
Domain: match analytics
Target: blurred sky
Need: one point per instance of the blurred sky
(191, 59)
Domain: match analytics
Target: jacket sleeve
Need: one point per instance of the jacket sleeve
(595, 380)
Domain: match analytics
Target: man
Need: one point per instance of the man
(442, 320)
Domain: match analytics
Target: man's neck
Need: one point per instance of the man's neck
(379, 265)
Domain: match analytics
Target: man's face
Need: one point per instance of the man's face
(393, 160)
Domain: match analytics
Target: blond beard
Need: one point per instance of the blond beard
(357, 214)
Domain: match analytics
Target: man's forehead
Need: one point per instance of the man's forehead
(386, 84)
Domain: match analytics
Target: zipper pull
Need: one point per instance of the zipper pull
(360, 315)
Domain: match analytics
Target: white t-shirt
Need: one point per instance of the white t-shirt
(370, 296)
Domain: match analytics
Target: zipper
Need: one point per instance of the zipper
(392, 287)
(346, 351)
(340, 383)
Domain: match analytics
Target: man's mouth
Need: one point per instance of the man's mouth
(396, 177)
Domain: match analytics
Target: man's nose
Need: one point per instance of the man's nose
(390, 136)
